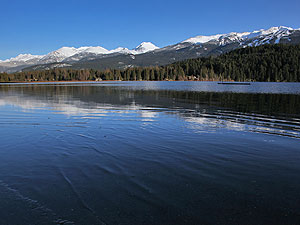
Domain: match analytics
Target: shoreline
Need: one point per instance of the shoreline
(104, 81)
(94, 81)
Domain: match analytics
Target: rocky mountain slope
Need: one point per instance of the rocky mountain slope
(147, 54)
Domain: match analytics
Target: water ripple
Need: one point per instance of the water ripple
(35, 206)
(80, 199)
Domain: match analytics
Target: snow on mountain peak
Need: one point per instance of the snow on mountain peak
(74, 54)
(234, 36)
(203, 39)
(23, 58)
(59, 55)
(255, 38)
(273, 30)
(140, 49)
(95, 50)
(120, 50)
(65, 51)
(145, 47)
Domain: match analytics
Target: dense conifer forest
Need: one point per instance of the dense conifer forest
(277, 63)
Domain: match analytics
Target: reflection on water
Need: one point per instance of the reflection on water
(149, 153)
(269, 113)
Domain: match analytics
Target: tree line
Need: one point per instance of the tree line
(277, 63)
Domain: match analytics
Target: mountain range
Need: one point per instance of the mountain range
(147, 54)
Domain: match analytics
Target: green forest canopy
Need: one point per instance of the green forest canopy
(276, 63)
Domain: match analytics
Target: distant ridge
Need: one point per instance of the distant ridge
(147, 54)
(273, 62)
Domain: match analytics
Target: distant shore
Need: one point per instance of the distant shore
(94, 81)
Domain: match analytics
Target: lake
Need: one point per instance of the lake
(149, 153)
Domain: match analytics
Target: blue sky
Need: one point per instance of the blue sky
(38, 27)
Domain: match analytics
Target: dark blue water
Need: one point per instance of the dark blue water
(150, 153)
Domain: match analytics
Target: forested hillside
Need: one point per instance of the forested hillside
(263, 63)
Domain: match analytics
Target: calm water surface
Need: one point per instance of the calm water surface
(150, 153)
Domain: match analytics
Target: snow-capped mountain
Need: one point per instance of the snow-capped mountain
(75, 54)
(144, 47)
(24, 58)
(19, 62)
(147, 54)
(255, 38)
(59, 55)
(94, 52)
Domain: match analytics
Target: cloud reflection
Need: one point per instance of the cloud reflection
(199, 119)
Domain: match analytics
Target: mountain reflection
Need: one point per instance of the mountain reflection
(277, 114)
